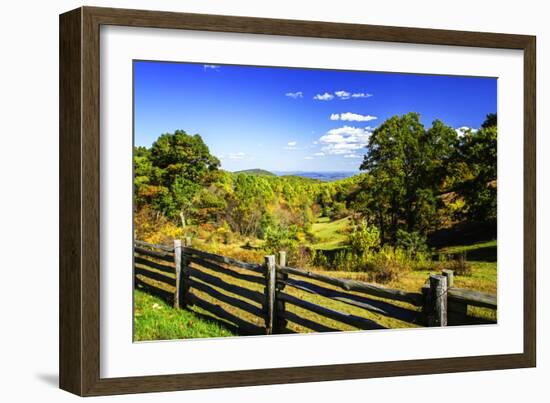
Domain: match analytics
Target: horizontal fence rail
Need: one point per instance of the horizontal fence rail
(167, 257)
(223, 286)
(154, 271)
(359, 286)
(165, 248)
(352, 320)
(227, 271)
(242, 325)
(372, 305)
(154, 265)
(223, 259)
(473, 298)
(218, 282)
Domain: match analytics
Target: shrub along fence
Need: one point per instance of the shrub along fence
(265, 292)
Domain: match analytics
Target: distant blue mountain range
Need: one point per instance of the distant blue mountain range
(323, 176)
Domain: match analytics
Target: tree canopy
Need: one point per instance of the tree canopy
(410, 167)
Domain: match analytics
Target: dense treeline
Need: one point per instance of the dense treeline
(414, 180)
(418, 178)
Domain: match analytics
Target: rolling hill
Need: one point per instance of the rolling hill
(257, 171)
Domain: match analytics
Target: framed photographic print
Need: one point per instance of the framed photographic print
(249, 201)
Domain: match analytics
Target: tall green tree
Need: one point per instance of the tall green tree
(407, 166)
(178, 165)
(181, 154)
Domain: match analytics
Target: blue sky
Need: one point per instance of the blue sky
(288, 119)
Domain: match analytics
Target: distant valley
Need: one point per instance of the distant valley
(322, 176)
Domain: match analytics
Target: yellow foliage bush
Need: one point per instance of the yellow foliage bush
(155, 228)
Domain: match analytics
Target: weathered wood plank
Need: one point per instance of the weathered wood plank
(269, 266)
(218, 282)
(224, 270)
(474, 298)
(316, 327)
(168, 257)
(376, 306)
(177, 267)
(243, 326)
(224, 259)
(358, 286)
(238, 303)
(158, 266)
(352, 320)
(141, 285)
(155, 276)
(437, 301)
(450, 277)
(165, 248)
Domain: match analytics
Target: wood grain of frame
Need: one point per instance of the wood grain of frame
(79, 201)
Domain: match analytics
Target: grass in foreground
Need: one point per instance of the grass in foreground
(156, 320)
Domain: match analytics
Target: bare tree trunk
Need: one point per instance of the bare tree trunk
(182, 217)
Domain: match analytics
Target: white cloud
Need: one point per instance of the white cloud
(345, 131)
(345, 140)
(342, 94)
(319, 154)
(295, 95)
(352, 156)
(211, 67)
(360, 95)
(291, 145)
(352, 117)
(348, 95)
(308, 158)
(324, 97)
(461, 131)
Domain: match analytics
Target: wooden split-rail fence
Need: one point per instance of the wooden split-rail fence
(184, 270)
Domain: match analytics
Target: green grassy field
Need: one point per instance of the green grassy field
(330, 235)
(156, 320)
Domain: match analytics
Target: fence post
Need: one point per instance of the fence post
(269, 265)
(185, 282)
(177, 263)
(280, 306)
(450, 277)
(437, 301)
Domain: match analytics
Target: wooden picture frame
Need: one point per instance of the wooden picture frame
(80, 184)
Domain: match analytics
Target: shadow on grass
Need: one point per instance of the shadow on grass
(212, 319)
(484, 254)
(465, 233)
(229, 326)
